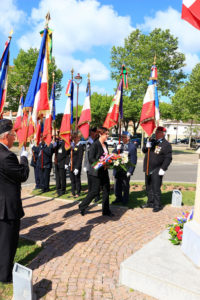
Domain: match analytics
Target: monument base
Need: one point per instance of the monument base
(191, 241)
(161, 270)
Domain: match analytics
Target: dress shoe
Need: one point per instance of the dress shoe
(82, 212)
(146, 206)
(109, 214)
(156, 209)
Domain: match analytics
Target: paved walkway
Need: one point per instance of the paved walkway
(82, 255)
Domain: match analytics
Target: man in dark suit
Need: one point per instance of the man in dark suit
(160, 157)
(35, 152)
(61, 159)
(75, 164)
(122, 177)
(12, 173)
(45, 164)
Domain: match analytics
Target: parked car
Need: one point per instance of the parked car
(176, 141)
(197, 144)
(185, 141)
(113, 141)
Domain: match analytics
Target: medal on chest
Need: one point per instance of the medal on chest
(157, 149)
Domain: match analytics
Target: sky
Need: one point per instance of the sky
(85, 31)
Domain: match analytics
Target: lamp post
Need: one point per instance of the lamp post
(78, 80)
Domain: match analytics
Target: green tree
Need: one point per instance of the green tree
(100, 105)
(20, 74)
(137, 54)
(166, 110)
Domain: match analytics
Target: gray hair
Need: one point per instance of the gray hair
(2, 135)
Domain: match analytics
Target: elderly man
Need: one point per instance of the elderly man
(12, 173)
(155, 166)
(122, 178)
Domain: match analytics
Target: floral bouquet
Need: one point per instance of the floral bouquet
(113, 160)
(176, 229)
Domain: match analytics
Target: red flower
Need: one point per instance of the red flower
(177, 228)
(179, 235)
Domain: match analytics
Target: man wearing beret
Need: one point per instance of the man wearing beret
(122, 178)
(12, 173)
(160, 157)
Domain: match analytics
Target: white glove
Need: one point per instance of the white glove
(85, 169)
(32, 145)
(66, 167)
(148, 145)
(161, 172)
(76, 172)
(24, 152)
(119, 147)
(128, 174)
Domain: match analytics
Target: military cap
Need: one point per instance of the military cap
(5, 125)
(126, 133)
(160, 128)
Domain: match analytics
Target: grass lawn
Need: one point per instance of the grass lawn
(26, 251)
(137, 193)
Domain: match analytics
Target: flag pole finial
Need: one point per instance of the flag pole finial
(53, 75)
(72, 73)
(88, 76)
(10, 34)
(48, 18)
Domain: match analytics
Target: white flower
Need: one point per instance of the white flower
(116, 163)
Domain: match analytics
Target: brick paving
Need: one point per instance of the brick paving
(82, 255)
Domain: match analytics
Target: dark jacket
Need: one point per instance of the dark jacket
(35, 153)
(160, 155)
(45, 156)
(61, 154)
(132, 157)
(12, 173)
(76, 155)
(94, 154)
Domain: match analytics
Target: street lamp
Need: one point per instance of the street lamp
(78, 80)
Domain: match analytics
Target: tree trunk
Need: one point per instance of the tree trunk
(190, 136)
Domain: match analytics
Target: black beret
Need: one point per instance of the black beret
(5, 125)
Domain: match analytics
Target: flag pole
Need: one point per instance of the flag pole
(54, 122)
(71, 152)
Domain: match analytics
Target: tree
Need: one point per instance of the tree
(186, 101)
(166, 110)
(20, 74)
(100, 105)
(137, 54)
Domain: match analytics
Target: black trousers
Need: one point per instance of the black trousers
(96, 183)
(89, 178)
(153, 184)
(44, 178)
(122, 186)
(76, 182)
(9, 236)
(60, 179)
(37, 177)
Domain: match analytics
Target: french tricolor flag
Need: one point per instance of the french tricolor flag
(150, 110)
(115, 108)
(191, 12)
(4, 64)
(18, 121)
(65, 128)
(47, 133)
(85, 117)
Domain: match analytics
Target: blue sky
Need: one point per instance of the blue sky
(85, 31)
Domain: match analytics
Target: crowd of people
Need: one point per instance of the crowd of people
(158, 156)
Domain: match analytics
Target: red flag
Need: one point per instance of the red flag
(22, 132)
(85, 117)
(18, 121)
(191, 12)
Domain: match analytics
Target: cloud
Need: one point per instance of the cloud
(188, 36)
(11, 17)
(78, 27)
